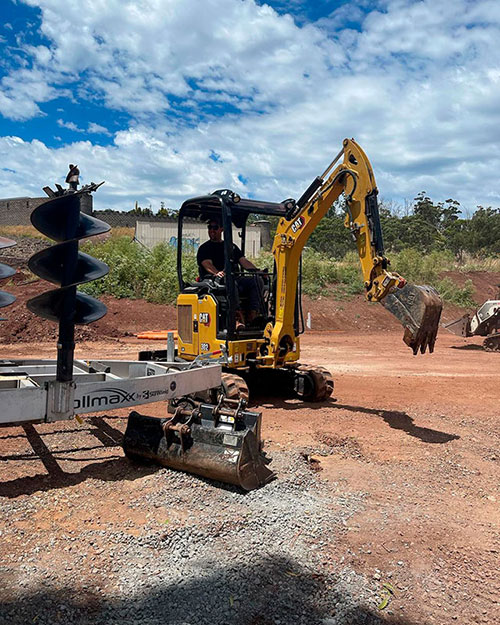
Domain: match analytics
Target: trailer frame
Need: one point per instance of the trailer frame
(30, 392)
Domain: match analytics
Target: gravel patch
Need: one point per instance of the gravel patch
(258, 558)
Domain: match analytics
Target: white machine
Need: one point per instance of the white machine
(484, 322)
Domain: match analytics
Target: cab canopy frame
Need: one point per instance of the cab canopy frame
(228, 209)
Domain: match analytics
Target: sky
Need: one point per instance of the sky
(169, 99)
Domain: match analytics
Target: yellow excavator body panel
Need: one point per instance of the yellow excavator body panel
(197, 323)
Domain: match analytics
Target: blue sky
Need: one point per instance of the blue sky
(165, 99)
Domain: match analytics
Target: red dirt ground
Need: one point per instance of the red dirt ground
(418, 435)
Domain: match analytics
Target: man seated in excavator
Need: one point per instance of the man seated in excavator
(211, 264)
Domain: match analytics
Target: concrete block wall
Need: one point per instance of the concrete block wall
(123, 220)
(16, 211)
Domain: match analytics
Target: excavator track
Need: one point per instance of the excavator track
(234, 387)
(313, 383)
(492, 343)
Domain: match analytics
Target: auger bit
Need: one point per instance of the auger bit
(418, 308)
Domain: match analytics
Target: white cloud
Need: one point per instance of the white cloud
(92, 127)
(21, 92)
(69, 125)
(137, 55)
(97, 129)
(418, 86)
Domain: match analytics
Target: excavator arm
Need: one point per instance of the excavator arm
(418, 308)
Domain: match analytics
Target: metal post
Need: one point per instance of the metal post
(66, 342)
(170, 347)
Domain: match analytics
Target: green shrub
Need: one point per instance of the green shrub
(421, 268)
(320, 272)
(450, 292)
(136, 272)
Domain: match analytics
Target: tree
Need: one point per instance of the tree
(330, 236)
(484, 231)
(426, 210)
(392, 229)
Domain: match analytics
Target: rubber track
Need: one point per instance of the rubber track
(492, 343)
(234, 386)
(323, 381)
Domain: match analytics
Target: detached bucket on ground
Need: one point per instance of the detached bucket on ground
(216, 442)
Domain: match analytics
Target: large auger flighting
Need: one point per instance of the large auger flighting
(6, 299)
(61, 219)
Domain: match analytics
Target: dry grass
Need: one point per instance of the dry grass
(481, 264)
(121, 231)
(14, 232)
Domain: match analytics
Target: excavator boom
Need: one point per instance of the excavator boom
(418, 308)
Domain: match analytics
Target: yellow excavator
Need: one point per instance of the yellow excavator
(267, 349)
(269, 346)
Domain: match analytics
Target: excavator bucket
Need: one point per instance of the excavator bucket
(418, 308)
(212, 441)
(460, 327)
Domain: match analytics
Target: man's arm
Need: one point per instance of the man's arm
(208, 265)
(246, 264)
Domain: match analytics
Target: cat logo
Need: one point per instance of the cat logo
(205, 318)
(298, 223)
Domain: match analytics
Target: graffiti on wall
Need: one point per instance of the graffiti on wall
(188, 243)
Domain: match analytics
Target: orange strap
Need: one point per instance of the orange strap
(159, 335)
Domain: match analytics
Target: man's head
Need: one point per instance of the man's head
(214, 230)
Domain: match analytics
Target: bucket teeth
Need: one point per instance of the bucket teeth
(418, 308)
(203, 446)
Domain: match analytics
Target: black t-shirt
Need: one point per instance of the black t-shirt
(214, 251)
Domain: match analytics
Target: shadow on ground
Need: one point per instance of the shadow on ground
(272, 590)
(115, 468)
(402, 421)
(394, 418)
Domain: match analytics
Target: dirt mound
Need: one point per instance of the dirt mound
(18, 255)
(124, 318)
(485, 283)
(356, 314)
(127, 317)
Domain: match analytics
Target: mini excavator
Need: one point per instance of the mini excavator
(268, 348)
(212, 433)
(208, 432)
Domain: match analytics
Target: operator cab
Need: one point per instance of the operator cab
(231, 212)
